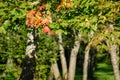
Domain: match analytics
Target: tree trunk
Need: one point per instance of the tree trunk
(62, 57)
(118, 55)
(56, 71)
(114, 60)
(3, 76)
(86, 61)
(51, 76)
(114, 55)
(9, 66)
(29, 63)
(31, 46)
(73, 57)
(92, 62)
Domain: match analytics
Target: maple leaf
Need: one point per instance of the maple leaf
(45, 21)
(36, 19)
(30, 18)
(38, 15)
(46, 29)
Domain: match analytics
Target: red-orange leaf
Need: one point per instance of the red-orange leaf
(46, 29)
(42, 7)
(45, 21)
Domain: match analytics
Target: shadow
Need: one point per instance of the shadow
(28, 68)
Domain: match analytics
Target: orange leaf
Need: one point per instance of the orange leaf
(45, 21)
(38, 15)
(68, 5)
(46, 29)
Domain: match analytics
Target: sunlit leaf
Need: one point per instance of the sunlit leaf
(2, 30)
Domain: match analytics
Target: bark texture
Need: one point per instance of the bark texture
(62, 57)
(56, 71)
(73, 57)
(31, 46)
(29, 63)
(86, 61)
(28, 68)
(92, 63)
(51, 76)
(114, 60)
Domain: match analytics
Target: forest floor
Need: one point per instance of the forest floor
(102, 72)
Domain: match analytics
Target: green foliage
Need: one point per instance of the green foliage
(104, 72)
(12, 35)
(13, 44)
(47, 53)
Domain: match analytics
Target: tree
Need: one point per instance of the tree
(69, 22)
(101, 9)
(11, 21)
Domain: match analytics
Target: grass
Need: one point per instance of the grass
(104, 72)
(8, 77)
(78, 77)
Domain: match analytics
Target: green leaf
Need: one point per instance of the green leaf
(2, 4)
(105, 47)
(64, 24)
(59, 31)
(2, 13)
(6, 24)
(94, 27)
(2, 30)
(23, 5)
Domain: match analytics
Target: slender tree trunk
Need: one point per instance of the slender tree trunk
(73, 57)
(114, 60)
(3, 76)
(62, 57)
(56, 71)
(86, 61)
(9, 66)
(50, 77)
(114, 55)
(9, 63)
(118, 53)
(92, 62)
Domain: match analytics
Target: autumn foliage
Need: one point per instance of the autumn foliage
(36, 19)
(47, 30)
(65, 4)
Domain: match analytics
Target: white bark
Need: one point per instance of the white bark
(30, 43)
(113, 54)
(73, 57)
(62, 57)
(114, 60)
(55, 71)
(86, 61)
(10, 61)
